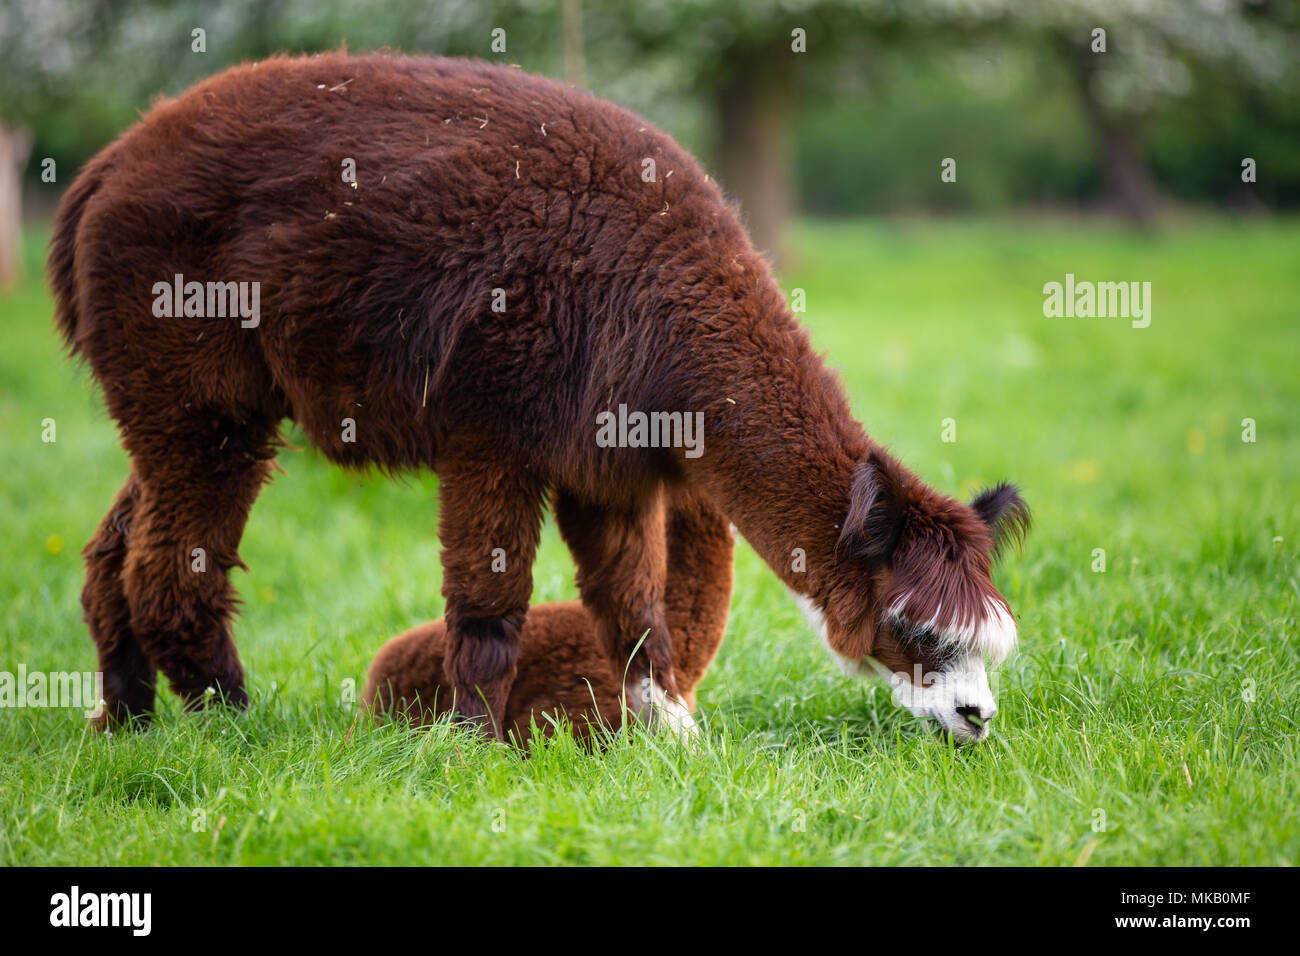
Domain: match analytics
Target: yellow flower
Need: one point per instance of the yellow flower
(1085, 471)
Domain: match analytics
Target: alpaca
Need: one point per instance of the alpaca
(452, 264)
(562, 666)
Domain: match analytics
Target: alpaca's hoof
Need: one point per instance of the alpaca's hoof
(659, 710)
(116, 715)
(471, 714)
(676, 718)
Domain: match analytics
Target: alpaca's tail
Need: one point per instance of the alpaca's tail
(62, 265)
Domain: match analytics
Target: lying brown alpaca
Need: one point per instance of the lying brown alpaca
(562, 666)
(451, 264)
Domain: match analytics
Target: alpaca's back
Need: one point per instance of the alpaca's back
(497, 235)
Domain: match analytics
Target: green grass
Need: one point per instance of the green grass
(1122, 439)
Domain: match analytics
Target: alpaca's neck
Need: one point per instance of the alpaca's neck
(781, 445)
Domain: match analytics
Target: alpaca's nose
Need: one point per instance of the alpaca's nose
(974, 712)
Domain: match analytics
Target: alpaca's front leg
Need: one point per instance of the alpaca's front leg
(490, 524)
(621, 553)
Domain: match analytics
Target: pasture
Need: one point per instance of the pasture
(1151, 715)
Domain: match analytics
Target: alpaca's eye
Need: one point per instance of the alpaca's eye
(919, 633)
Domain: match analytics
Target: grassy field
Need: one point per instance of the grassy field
(1150, 717)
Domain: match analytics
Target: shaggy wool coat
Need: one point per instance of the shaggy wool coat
(457, 265)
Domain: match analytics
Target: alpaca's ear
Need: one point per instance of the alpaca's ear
(877, 508)
(1006, 514)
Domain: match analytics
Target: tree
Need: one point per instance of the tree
(737, 53)
(1127, 58)
(78, 71)
(35, 41)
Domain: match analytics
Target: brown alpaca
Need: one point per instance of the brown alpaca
(562, 666)
(512, 261)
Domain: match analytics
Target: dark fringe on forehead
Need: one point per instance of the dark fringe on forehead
(941, 573)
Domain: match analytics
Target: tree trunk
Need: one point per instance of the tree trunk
(574, 68)
(755, 148)
(1128, 183)
(15, 144)
(1129, 186)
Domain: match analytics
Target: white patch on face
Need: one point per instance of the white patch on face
(948, 696)
(993, 635)
(956, 692)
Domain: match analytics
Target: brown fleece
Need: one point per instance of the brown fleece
(513, 258)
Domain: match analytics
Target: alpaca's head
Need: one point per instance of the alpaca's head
(915, 601)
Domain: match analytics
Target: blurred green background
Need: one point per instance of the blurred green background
(829, 107)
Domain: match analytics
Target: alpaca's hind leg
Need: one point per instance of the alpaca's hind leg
(622, 563)
(199, 480)
(489, 525)
(129, 675)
